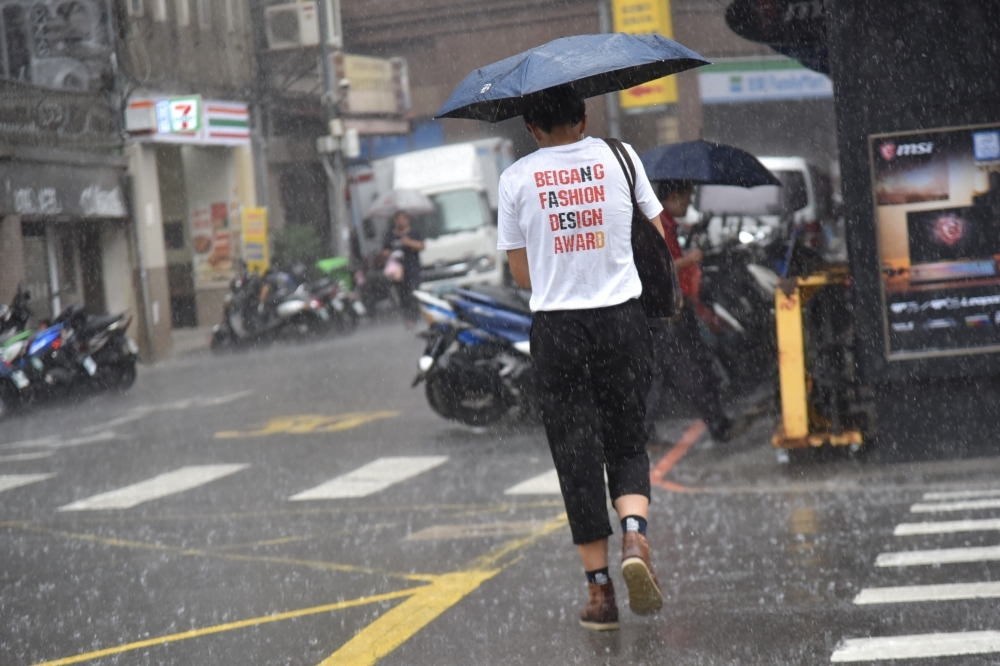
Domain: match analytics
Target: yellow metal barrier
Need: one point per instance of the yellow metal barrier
(799, 427)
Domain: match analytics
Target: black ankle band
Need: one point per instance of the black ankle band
(634, 524)
(598, 576)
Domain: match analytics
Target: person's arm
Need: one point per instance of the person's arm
(690, 257)
(655, 221)
(518, 262)
(413, 243)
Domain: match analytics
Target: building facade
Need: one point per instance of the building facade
(189, 68)
(65, 221)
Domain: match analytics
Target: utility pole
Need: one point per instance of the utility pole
(332, 145)
(611, 99)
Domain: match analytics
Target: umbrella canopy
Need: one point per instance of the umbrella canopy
(407, 201)
(594, 64)
(706, 163)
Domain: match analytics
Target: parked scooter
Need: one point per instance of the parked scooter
(476, 365)
(14, 338)
(14, 318)
(344, 306)
(736, 299)
(98, 345)
(259, 309)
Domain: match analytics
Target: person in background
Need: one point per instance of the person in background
(403, 237)
(678, 348)
(589, 339)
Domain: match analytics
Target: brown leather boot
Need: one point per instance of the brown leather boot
(601, 612)
(644, 596)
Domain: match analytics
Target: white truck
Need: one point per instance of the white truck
(753, 214)
(462, 180)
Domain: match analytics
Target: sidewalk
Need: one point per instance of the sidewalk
(190, 340)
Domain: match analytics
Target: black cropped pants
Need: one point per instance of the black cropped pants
(592, 374)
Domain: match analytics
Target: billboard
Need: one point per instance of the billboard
(937, 217)
(643, 17)
(256, 255)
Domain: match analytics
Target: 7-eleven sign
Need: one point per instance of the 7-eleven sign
(185, 114)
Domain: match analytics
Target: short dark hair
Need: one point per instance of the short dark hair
(664, 188)
(554, 107)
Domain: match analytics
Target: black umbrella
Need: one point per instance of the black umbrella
(593, 64)
(706, 163)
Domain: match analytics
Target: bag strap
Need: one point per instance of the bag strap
(624, 161)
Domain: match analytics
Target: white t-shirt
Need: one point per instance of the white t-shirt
(570, 207)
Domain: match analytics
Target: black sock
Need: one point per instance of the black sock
(634, 524)
(598, 576)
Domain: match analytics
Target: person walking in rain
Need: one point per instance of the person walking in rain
(677, 345)
(565, 215)
(402, 238)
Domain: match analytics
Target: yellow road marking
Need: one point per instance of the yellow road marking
(309, 423)
(241, 624)
(462, 509)
(299, 538)
(194, 552)
(403, 621)
(381, 637)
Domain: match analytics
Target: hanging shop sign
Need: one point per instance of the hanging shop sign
(376, 86)
(643, 17)
(70, 192)
(255, 250)
(188, 120)
(937, 215)
(760, 80)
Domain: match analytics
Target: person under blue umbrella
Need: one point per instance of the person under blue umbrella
(678, 347)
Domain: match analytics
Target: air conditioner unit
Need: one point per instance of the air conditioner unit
(295, 25)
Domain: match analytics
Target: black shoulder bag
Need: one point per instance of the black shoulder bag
(661, 294)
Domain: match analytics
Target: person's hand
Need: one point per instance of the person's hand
(695, 254)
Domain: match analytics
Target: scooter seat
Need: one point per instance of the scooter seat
(508, 299)
(96, 323)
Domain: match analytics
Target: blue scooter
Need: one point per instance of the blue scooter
(476, 365)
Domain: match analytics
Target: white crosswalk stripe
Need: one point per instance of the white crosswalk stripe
(371, 478)
(968, 505)
(915, 593)
(962, 494)
(914, 558)
(947, 527)
(917, 646)
(543, 484)
(11, 481)
(160, 486)
(931, 645)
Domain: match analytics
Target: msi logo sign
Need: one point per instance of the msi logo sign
(889, 151)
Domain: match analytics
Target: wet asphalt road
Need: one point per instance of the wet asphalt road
(215, 563)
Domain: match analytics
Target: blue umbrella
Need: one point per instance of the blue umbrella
(706, 163)
(593, 64)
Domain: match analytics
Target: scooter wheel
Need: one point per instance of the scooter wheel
(126, 377)
(222, 341)
(479, 409)
(347, 321)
